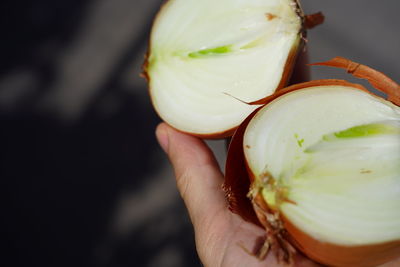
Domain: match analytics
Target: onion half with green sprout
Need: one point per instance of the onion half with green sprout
(207, 58)
(318, 166)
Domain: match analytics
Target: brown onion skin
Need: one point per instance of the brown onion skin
(237, 170)
(325, 82)
(337, 255)
(237, 181)
(377, 79)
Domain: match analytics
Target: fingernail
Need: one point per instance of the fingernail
(162, 137)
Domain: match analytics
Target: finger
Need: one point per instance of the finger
(197, 173)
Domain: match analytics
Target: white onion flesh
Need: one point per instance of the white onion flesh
(205, 55)
(336, 152)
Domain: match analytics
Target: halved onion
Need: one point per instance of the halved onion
(207, 58)
(323, 168)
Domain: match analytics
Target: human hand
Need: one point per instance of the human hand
(222, 238)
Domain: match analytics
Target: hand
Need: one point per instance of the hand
(222, 238)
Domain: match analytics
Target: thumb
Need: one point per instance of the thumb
(197, 173)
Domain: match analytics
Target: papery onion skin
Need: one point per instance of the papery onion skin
(376, 78)
(237, 181)
(299, 86)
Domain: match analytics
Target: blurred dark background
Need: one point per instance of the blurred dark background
(83, 180)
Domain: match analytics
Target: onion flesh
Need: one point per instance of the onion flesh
(207, 58)
(327, 160)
